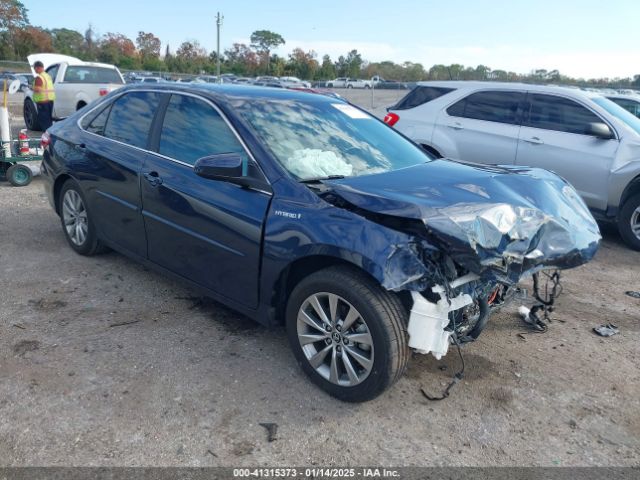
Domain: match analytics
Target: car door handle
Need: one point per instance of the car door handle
(456, 126)
(153, 178)
(535, 140)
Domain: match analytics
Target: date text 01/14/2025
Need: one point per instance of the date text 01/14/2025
(315, 472)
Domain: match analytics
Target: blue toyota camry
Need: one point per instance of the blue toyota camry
(301, 209)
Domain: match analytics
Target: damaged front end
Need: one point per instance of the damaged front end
(476, 232)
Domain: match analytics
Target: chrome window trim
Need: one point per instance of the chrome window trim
(180, 162)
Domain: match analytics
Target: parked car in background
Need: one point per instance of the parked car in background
(152, 80)
(379, 82)
(344, 235)
(582, 136)
(228, 77)
(11, 77)
(340, 82)
(294, 82)
(76, 84)
(205, 79)
(266, 78)
(629, 102)
(358, 83)
(268, 83)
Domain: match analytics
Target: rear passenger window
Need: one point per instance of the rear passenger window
(130, 118)
(98, 123)
(193, 129)
(560, 114)
(493, 106)
(421, 95)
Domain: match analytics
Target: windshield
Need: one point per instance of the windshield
(315, 139)
(619, 112)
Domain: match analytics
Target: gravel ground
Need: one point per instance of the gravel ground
(105, 363)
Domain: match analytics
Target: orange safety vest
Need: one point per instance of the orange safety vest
(47, 93)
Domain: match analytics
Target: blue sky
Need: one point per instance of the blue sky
(587, 38)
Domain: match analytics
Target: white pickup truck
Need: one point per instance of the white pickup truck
(75, 82)
(358, 83)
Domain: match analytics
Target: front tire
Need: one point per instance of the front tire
(347, 333)
(30, 113)
(629, 222)
(77, 224)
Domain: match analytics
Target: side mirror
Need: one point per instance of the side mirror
(219, 167)
(600, 130)
(230, 167)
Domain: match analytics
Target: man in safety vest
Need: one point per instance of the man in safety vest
(43, 95)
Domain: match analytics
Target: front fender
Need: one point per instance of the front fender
(295, 231)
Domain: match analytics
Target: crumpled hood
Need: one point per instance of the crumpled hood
(498, 222)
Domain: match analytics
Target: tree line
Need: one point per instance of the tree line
(18, 38)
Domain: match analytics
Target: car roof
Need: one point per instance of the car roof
(227, 91)
(624, 96)
(476, 85)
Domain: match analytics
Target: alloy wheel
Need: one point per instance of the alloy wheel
(335, 339)
(635, 222)
(74, 215)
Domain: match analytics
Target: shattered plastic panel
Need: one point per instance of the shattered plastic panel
(499, 222)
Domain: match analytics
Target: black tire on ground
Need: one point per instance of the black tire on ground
(80, 105)
(19, 175)
(30, 113)
(367, 87)
(89, 244)
(383, 316)
(349, 86)
(629, 220)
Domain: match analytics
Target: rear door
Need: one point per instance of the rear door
(65, 93)
(204, 230)
(553, 136)
(114, 149)
(482, 127)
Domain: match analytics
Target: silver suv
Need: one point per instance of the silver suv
(582, 136)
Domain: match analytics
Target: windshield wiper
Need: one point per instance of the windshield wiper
(320, 179)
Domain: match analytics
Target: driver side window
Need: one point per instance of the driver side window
(561, 114)
(193, 129)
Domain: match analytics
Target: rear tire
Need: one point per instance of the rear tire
(363, 349)
(629, 222)
(30, 113)
(77, 224)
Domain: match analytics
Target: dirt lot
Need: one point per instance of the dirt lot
(103, 362)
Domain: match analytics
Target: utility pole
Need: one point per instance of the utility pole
(219, 19)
